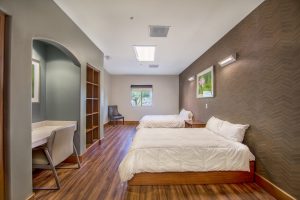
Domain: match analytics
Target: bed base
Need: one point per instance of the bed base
(194, 178)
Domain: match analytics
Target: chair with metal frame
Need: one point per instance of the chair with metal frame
(59, 147)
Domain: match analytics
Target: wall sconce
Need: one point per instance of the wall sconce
(228, 60)
(192, 78)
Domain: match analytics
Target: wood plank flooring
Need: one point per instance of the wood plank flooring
(99, 179)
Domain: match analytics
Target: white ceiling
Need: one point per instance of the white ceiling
(195, 26)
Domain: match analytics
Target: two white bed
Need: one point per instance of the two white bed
(160, 150)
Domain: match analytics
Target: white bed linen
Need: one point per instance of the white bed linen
(161, 121)
(182, 150)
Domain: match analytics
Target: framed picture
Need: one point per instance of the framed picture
(35, 73)
(205, 83)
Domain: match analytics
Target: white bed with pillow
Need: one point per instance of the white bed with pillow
(165, 121)
(215, 148)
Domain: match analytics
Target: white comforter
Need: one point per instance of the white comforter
(183, 149)
(161, 121)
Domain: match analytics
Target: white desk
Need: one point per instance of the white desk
(42, 130)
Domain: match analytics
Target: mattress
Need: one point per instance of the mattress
(161, 121)
(183, 150)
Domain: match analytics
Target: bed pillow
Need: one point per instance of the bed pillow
(234, 132)
(214, 124)
(186, 115)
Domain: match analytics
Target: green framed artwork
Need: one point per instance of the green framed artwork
(205, 83)
(35, 82)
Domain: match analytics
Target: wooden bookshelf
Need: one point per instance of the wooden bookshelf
(92, 106)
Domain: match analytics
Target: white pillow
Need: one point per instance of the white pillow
(186, 115)
(214, 124)
(234, 132)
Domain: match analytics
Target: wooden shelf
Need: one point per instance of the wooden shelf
(92, 106)
(89, 130)
(94, 84)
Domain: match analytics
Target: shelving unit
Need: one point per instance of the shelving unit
(92, 106)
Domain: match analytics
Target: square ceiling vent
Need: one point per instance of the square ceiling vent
(159, 31)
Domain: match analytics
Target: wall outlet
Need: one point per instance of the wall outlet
(206, 106)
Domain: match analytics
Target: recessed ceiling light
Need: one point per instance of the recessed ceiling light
(144, 53)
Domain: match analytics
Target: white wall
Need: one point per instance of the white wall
(107, 94)
(165, 95)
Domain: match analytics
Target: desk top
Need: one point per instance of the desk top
(42, 130)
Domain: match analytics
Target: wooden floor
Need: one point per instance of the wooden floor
(99, 179)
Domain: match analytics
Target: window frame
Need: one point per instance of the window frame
(142, 88)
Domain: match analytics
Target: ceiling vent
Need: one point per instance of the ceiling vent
(159, 31)
(153, 66)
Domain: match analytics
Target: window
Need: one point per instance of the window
(141, 95)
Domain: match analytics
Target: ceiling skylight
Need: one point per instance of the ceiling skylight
(144, 53)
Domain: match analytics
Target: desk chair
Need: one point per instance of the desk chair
(58, 148)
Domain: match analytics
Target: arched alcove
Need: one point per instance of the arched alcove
(61, 48)
(59, 89)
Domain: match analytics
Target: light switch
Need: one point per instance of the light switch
(206, 106)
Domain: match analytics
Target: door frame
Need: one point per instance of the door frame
(2, 99)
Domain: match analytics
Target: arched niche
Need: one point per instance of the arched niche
(60, 84)
(60, 47)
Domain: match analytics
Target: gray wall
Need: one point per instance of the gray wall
(37, 19)
(39, 108)
(262, 88)
(62, 88)
(165, 95)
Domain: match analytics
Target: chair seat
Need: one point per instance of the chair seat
(39, 157)
(118, 117)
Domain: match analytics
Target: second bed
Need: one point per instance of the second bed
(157, 153)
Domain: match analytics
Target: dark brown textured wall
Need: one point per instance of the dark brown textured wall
(262, 88)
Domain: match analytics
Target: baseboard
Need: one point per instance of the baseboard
(132, 123)
(31, 197)
(271, 188)
(106, 125)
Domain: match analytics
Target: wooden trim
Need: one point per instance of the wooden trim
(182, 178)
(94, 68)
(107, 124)
(31, 197)
(271, 188)
(132, 123)
(2, 164)
(93, 146)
